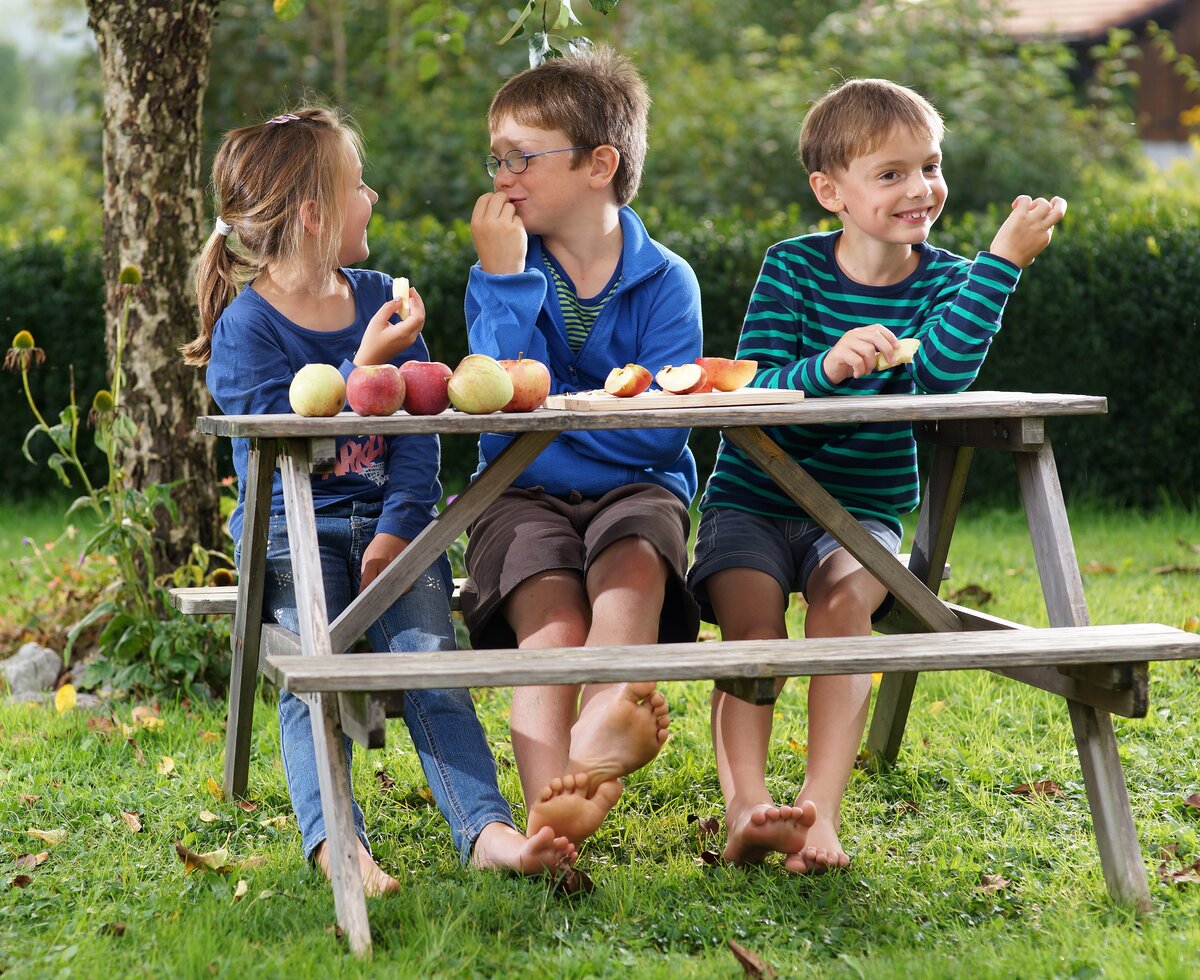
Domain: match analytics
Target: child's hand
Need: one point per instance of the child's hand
(499, 235)
(383, 340)
(854, 355)
(378, 555)
(1027, 230)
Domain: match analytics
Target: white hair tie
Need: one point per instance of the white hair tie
(223, 227)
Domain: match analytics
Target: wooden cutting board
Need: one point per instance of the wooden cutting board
(602, 401)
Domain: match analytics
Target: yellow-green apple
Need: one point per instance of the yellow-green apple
(682, 379)
(375, 389)
(400, 290)
(425, 390)
(479, 385)
(530, 381)
(726, 374)
(903, 354)
(627, 381)
(317, 390)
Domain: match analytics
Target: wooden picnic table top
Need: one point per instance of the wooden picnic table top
(831, 410)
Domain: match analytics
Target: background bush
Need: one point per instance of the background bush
(1109, 309)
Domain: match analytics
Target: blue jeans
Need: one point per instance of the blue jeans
(454, 752)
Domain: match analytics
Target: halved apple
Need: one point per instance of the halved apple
(903, 354)
(627, 381)
(683, 379)
(727, 374)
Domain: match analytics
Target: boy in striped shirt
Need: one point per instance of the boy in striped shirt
(824, 308)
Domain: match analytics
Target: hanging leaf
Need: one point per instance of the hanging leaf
(428, 66)
(519, 25)
(287, 9)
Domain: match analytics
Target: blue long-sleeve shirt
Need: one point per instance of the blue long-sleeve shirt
(801, 306)
(652, 319)
(256, 351)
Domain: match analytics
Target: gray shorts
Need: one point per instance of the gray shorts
(527, 531)
(787, 550)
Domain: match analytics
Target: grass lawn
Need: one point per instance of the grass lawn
(111, 902)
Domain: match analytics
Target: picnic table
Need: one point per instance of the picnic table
(1098, 670)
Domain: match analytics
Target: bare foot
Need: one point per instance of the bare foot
(821, 852)
(619, 731)
(499, 846)
(574, 806)
(375, 880)
(756, 832)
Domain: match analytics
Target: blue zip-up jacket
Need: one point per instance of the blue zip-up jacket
(652, 319)
(256, 351)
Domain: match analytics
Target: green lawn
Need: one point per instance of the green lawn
(108, 901)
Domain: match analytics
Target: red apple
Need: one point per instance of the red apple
(375, 389)
(627, 381)
(317, 390)
(425, 387)
(531, 383)
(683, 379)
(727, 374)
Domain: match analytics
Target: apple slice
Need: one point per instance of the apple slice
(683, 379)
(400, 290)
(727, 374)
(903, 354)
(627, 381)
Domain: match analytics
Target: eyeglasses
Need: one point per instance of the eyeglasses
(518, 162)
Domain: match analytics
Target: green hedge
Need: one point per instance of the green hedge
(1108, 309)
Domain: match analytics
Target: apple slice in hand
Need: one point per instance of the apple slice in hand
(727, 374)
(684, 379)
(627, 381)
(400, 289)
(903, 354)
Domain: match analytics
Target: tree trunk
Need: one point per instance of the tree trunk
(155, 60)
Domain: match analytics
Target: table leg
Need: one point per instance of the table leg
(246, 632)
(935, 527)
(336, 805)
(1062, 586)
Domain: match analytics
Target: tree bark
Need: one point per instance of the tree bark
(154, 55)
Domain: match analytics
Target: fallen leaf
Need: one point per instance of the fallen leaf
(1187, 544)
(709, 857)
(207, 736)
(1098, 568)
(132, 821)
(385, 781)
(937, 707)
(1192, 624)
(1168, 852)
(166, 766)
(1176, 570)
(795, 746)
(571, 881)
(1188, 875)
(113, 929)
(426, 794)
(1193, 800)
(21, 881)
(263, 895)
(100, 723)
(64, 698)
(246, 805)
(28, 798)
(705, 826)
(207, 816)
(217, 860)
(752, 964)
(973, 592)
(279, 821)
(990, 884)
(153, 723)
(255, 861)
(141, 712)
(907, 806)
(1046, 787)
(1019, 570)
(50, 837)
(214, 788)
(240, 889)
(33, 860)
(137, 751)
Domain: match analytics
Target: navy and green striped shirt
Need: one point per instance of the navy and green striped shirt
(801, 305)
(579, 315)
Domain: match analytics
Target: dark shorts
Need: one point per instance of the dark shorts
(527, 531)
(787, 550)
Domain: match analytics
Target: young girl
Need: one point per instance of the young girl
(291, 191)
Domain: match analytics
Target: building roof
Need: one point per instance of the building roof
(1082, 20)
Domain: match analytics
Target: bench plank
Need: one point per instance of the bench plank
(371, 672)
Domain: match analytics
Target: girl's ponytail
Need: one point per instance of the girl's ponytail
(219, 273)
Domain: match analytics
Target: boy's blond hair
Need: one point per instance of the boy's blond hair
(261, 176)
(596, 98)
(857, 116)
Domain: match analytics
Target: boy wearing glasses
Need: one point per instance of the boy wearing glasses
(825, 307)
(589, 545)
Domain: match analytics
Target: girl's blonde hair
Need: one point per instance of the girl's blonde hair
(261, 177)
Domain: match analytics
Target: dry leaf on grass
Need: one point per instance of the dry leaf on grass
(1098, 568)
(116, 929)
(1193, 800)
(217, 860)
(1045, 787)
(990, 884)
(214, 788)
(1176, 570)
(65, 698)
(240, 889)
(1187, 875)
(132, 821)
(710, 858)
(21, 881)
(166, 766)
(28, 798)
(207, 816)
(50, 837)
(971, 594)
(137, 751)
(246, 805)
(32, 861)
(385, 781)
(752, 964)
(705, 826)
(279, 822)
